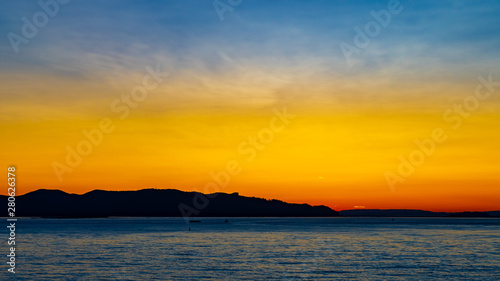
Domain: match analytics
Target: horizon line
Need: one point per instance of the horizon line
(237, 193)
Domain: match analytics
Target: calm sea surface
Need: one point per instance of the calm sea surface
(256, 249)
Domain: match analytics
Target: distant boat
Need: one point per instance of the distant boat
(194, 221)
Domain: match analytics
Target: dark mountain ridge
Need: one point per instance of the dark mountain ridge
(414, 213)
(158, 203)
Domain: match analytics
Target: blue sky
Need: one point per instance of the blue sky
(189, 32)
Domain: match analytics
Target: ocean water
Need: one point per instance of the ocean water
(256, 249)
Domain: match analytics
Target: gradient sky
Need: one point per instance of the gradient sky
(353, 119)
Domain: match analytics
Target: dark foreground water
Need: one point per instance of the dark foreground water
(256, 249)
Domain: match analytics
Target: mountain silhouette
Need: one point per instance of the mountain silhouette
(413, 213)
(157, 202)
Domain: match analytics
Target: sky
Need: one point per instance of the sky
(348, 104)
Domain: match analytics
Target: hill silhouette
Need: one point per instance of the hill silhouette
(414, 213)
(156, 202)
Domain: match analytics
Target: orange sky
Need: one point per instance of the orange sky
(177, 93)
(335, 151)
